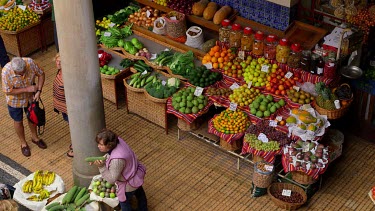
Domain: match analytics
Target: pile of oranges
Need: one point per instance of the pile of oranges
(231, 122)
(218, 57)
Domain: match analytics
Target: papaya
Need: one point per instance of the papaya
(307, 119)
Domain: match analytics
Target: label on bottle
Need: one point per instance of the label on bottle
(319, 71)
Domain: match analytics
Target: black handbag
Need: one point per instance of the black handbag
(37, 115)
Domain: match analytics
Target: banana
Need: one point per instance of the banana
(52, 177)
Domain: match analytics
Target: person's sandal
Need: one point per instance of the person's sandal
(69, 153)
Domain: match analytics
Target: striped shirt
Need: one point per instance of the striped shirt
(12, 81)
(59, 102)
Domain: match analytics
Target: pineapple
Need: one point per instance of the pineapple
(319, 100)
(326, 93)
(329, 105)
(319, 87)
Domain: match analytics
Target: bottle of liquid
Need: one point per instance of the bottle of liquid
(258, 45)
(270, 47)
(306, 60)
(282, 51)
(247, 39)
(235, 36)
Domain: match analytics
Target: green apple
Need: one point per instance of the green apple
(112, 195)
(102, 194)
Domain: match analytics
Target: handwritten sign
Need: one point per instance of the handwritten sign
(22, 7)
(173, 18)
(99, 55)
(305, 147)
(265, 68)
(241, 55)
(111, 25)
(107, 34)
(296, 88)
(234, 86)
(268, 167)
(249, 84)
(208, 65)
(288, 75)
(148, 13)
(273, 123)
(233, 106)
(144, 72)
(286, 192)
(153, 56)
(263, 137)
(279, 118)
(198, 91)
(163, 83)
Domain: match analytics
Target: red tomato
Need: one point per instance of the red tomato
(283, 92)
(277, 92)
(281, 87)
(273, 90)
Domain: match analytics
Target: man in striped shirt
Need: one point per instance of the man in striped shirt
(18, 83)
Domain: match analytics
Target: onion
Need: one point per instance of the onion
(136, 18)
(131, 16)
(144, 18)
(153, 18)
(148, 21)
(143, 14)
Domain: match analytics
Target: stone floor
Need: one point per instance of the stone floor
(188, 174)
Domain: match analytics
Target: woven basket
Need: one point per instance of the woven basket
(302, 178)
(111, 77)
(257, 158)
(185, 126)
(334, 114)
(128, 87)
(262, 179)
(154, 99)
(288, 186)
(231, 147)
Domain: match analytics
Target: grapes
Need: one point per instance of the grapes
(259, 145)
(270, 132)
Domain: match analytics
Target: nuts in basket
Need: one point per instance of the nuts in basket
(294, 197)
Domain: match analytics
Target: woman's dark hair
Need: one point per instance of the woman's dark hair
(109, 138)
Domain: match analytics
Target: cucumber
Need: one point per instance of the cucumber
(149, 79)
(75, 194)
(82, 199)
(135, 75)
(80, 194)
(52, 205)
(143, 82)
(69, 195)
(92, 159)
(56, 208)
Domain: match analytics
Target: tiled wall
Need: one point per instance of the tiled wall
(264, 12)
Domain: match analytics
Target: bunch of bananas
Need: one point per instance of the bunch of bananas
(27, 186)
(43, 194)
(48, 177)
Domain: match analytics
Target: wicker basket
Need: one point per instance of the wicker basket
(262, 179)
(334, 114)
(288, 186)
(154, 99)
(128, 87)
(302, 178)
(237, 144)
(257, 158)
(185, 126)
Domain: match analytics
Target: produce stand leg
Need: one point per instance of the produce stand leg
(18, 46)
(179, 137)
(116, 97)
(166, 119)
(126, 101)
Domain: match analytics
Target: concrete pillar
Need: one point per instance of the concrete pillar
(82, 82)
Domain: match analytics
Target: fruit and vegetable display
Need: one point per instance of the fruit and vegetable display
(122, 15)
(364, 20)
(109, 70)
(300, 97)
(162, 89)
(270, 132)
(134, 47)
(257, 71)
(184, 101)
(37, 185)
(125, 63)
(144, 17)
(103, 188)
(294, 197)
(306, 123)
(161, 2)
(75, 199)
(224, 92)
(111, 38)
(231, 122)
(7, 4)
(307, 154)
(203, 77)
(265, 106)
(16, 19)
(325, 98)
(182, 63)
(104, 23)
(163, 58)
(243, 95)
(219, 58)
(139, 80)
(141, 67)
(257, 144)
(104, 58)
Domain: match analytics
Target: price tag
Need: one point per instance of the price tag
(233, 106)
(337, 104)
(234, 86)
(208, 65)
(153, 56)
(305, 147)
(99, 55)
(167, 49)
(163, 83)
(198, 91)
(148, 13)
(263, 137)
(288, 75)
(286, 192)
(265, 68)
(273, 123)
(319, 71)
(249, 84)
(173, 18)
(268, 167)
(22, 7)
(241, 55)
(107, 34)
(111, 25)
(296, 88)
(279, 118)
(144, 72)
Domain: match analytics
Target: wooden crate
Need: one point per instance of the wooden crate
(24, 41)
(231, 147)
(139, 104)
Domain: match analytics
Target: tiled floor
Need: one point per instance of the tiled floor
(189, 174)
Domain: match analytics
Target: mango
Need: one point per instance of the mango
(307, 119)
(302, 126)
(311, 127)
(291, 119)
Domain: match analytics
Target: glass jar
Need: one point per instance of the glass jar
(235, 36)
(224, 31)
(306, 60)
(258, 45)
(270, 47)
(247, 39)
(317, 65)
(294, 59)
(282, 51)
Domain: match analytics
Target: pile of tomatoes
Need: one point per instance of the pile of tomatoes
(278, 82)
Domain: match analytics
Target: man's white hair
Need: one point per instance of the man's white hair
(18, 64)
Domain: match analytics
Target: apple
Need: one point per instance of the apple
(102, 194)
(112, 195)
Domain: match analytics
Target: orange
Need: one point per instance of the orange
(221, 60)
(215, 65)
(213, 59)
(211, 53)
(208, 57)
(216, 48)
(223, 54)
(217, 54)
(204, 61)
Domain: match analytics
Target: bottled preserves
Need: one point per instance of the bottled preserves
(235, 36)
(317, 64)
(306, 60)
(294, 58)
(270, 47)
(247, 39)
(224, 31)
(258, 45)
(282, 51)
